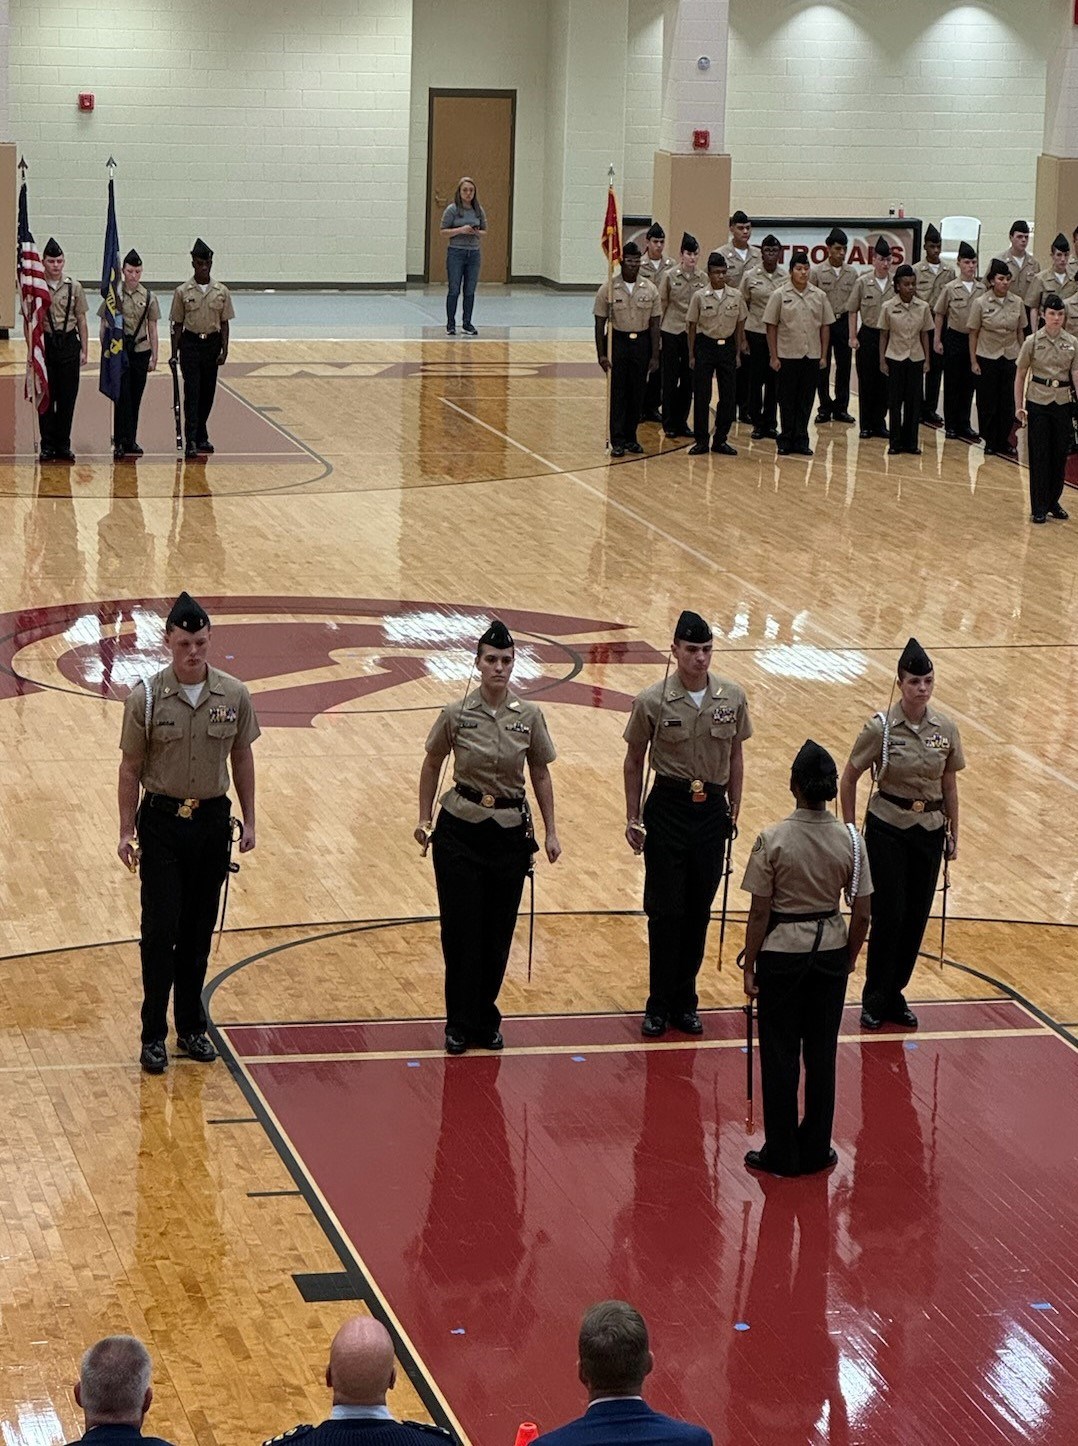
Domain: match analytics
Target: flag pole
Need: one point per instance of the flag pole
(609, 315)
(23, 168)
(110, 166)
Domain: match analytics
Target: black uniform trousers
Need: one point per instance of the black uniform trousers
(904, 380)
(796, 389)
(871, 382)
(838, 350)
(684, 855)
(800, 1007)
(763, 383)
(932, 378)
(629, 361)
(132, 386)
(198, 362)
(743, 399)
(184, 863)
(677, 381)
(958, 381)
(905, 866)
(62, 352)
(718, 360)
(1050, 437)
(479, 869)
(652, 403)
(995, 402)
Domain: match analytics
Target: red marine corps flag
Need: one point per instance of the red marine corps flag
(35, 298)
(612, 227)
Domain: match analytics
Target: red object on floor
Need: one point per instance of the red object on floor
(526, 1433)
(924, 1291)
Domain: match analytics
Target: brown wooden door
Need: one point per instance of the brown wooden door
(470, 133)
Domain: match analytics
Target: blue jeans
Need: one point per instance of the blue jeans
(462, 265)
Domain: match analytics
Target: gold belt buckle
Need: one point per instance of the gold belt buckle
(487, 800)
(699, 793)
(633, 335)
(917, 806)
(187, 808)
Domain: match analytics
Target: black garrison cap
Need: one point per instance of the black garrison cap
(813, 764)
(837, 237)
(882, 247)
(1061, 243)
(691, 628)
(496, 636)
(200, 251)
(132, 258)
(931, 234)
(997, 267)
(739, 219)
(187, 614)
(716, 261)
(1022, 226)
(904, 270)
(771, 240)
(799, 258)
(630, 249)
(966, 252)
(655, 232)
(689, 242)
(914, 660)
(52, 247)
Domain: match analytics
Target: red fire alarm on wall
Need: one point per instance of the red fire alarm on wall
(86, 100)
(701, 140)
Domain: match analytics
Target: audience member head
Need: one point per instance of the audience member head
(361, 1365)
(614, 1356)
(113, 1388)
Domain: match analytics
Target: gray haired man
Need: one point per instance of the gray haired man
(114, 1392)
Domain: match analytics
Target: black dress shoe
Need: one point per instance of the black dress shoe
(1059, 513)
(685, 433)
(969, 435)
(951, 434)
(617, 451)
(895, 451)
(65, 456)
(1011, 453)
(119, 453)
(205, 445)
(154, 1057)
(782, 450)
(455, 1042)
(870, 1021)
(757, 1160)
(882, 432)
(196, 1047)
(865, 433)
(689, 1023)
(491, 1041)
(757, 434)
(652, 417)
(46, 455)
(653, 1027)
(1038, 517)
(698, 449)
(136, 450)
(913, 451)
(827, 1164)
(904, 1016)
(802, 451)
(933, 419)
(724, 449)
(634, 447)
(190, 452)
(842, 417)
(822, 416)
(670, 435)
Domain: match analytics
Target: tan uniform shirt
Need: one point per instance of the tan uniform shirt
(677, 288)
(998, 319)
(756, 287)
(1023, 273)
(490, 748)
(717, 313)
(736, 264)
(1045, 282)
(955, 301)
(868, 299)
(186, 755)
(836, 286)
(802, 865)
(930, 283)
(201, 314)
(1054, 357)
(136, 314)
(67, 304)
(905, 323)
(654, 271)
(632, 312)
(798, 316)
(918, 755)
(686, 741)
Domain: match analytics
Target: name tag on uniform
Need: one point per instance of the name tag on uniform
(671, 722)
(518, 727)
(469, 723)
(724, 714)
(223, 715)
(164, 722)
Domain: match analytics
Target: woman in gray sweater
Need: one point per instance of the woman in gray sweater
(464, 221)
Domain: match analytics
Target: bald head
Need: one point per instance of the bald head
(361, 1367)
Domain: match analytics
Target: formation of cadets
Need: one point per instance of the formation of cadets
(199, 316)
(775, 340)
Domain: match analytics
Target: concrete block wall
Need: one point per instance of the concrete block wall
(643, 103)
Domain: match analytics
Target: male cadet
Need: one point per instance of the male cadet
(740, 256)
(677, 287)
(694, 724)
(66, 341)
(757, 284)
(653, 267)
(930, 277)
(141, 314)
(716, 320)
(361, 1372)
(201, 311)
(180, 729)
(952, 344)
(798, 319)
(634, 346)
(866, 306)
(1058, 277)
(836, 280)
(1023, 265)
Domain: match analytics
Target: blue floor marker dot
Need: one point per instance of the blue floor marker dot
(413, 1064)
(457, 1331)
(577, 1058)
(910, 1044)
(741, 1325)
(1041, 1305)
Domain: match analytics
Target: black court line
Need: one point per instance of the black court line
(236, 1120)
(270, 1194)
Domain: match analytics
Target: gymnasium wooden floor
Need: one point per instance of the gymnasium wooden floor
(369, 504)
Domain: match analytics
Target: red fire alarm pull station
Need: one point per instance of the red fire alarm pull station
(86, 100)
(701, 140)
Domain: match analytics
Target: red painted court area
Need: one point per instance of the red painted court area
(924, 1292)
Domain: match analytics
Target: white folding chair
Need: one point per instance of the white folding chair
(954, 229)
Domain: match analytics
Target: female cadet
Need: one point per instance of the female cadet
(915, 753)
(1049, 360)
(797, 958)
(483, 842)
(997, 324)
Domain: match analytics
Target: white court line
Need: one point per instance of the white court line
(841, 644)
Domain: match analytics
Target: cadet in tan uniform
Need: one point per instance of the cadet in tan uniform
(952, 344)
(694, 724)
(915, 753)
(757, 285)
(996, 329)
(716, 319)
(635, 346)
(905, 346)
(654, 265)
(483, 841)
(836, 280)
(1058, 279)
(180, 730)
(866, 306)
(1048, 361)
(66, 343)
(141, 314)
(798, 319)
(201, 312)
(677, 286)
(798, 956)
(932, 276)
(741, 255)
(1021, 263)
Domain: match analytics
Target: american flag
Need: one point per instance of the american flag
(35, 301)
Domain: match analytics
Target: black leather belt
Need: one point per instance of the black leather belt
(487, 800)
(696, 788)
(201, 335)
(777, 918)
(914, 805)
(1050, 382)
(181, 807)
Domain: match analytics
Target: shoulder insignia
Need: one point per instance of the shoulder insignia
(293, 1434)
(434, 1430)
(758, 845)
